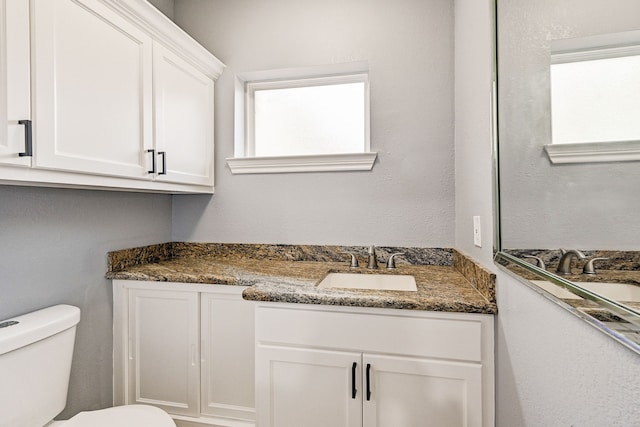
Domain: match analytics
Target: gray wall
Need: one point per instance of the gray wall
(164, 6)
(552, 369)
(408, 197)
(53, 250)
(474, 76)
(588, 206)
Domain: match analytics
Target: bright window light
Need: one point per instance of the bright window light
(327, 115)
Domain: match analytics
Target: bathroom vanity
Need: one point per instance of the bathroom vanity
(372, 367)
(238, 335)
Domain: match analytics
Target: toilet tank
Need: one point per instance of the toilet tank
(35, 362)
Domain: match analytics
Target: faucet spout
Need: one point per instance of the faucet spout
(564, 266)
(373, 262)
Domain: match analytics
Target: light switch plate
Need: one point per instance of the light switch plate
(477, 233)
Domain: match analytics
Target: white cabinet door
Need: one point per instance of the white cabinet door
(227, 361)
(421, 392)
(164, 367)
(15, 104)
(183, 98)
(307, 387)
(93, 84)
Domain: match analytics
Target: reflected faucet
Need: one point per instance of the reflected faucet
(373, 262)
(564, 266)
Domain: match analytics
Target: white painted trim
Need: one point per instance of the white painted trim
(309, 163)
(594, 54)
(594, 152)
(165, 31)
(243, 106)
(598, 42)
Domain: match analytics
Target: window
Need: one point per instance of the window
(595, 99)
(302, 121)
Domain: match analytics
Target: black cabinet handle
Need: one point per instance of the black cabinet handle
(28, 139)
(354, 391)
(153, 160)
(164, 162)
(368, 381)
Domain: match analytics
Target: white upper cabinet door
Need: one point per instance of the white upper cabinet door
(183, 120)
(93, 86)
(421, 392)
(308, 387)
(164, 337)
(15, 103)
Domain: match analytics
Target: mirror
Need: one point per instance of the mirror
(591, 204)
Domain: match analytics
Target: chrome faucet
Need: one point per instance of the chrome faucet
(564, 266)
(373, 262)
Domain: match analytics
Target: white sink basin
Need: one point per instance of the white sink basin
(386, 282)
(614, 291)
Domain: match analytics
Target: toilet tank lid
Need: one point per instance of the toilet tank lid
(35, 326)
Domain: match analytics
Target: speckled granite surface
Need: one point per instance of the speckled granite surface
(290, 273)
(480, 278)
(621, 267)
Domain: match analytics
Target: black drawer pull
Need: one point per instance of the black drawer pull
(153, 160)
(28, 139)
(164, 162)
(368, 381)
(354, 391)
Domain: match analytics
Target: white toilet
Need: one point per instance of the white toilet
(35, 362)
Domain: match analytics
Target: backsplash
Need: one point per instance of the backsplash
(119, 260)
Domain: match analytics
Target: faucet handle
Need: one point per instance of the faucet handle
(538, 261)
(589, 268)
(391, 262)
(354, 260)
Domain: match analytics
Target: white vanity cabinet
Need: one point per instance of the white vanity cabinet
(319, 366)
(15, 101)
(186, 348)
(118, 97)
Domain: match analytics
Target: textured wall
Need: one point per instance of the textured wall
(553, 369)
(474, 72)
(408, 198)
(165, 6)
(588, 206)
(53, 250)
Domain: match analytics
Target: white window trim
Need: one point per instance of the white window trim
(244, 162)
(594, 152)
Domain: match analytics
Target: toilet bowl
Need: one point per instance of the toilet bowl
(35, 363)
(119, 416)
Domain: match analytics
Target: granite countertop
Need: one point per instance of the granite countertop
(274, 274)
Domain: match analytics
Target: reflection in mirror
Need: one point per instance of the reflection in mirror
(595, 88)
(595, 98)
(590, 205)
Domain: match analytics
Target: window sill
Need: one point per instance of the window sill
(594, 152)
(307, 163)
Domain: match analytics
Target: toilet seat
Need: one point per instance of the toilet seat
(121, 416)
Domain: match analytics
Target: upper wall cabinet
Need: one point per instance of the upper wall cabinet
(15, 108)
(121, 99)
(92, 80)
(183, 106)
